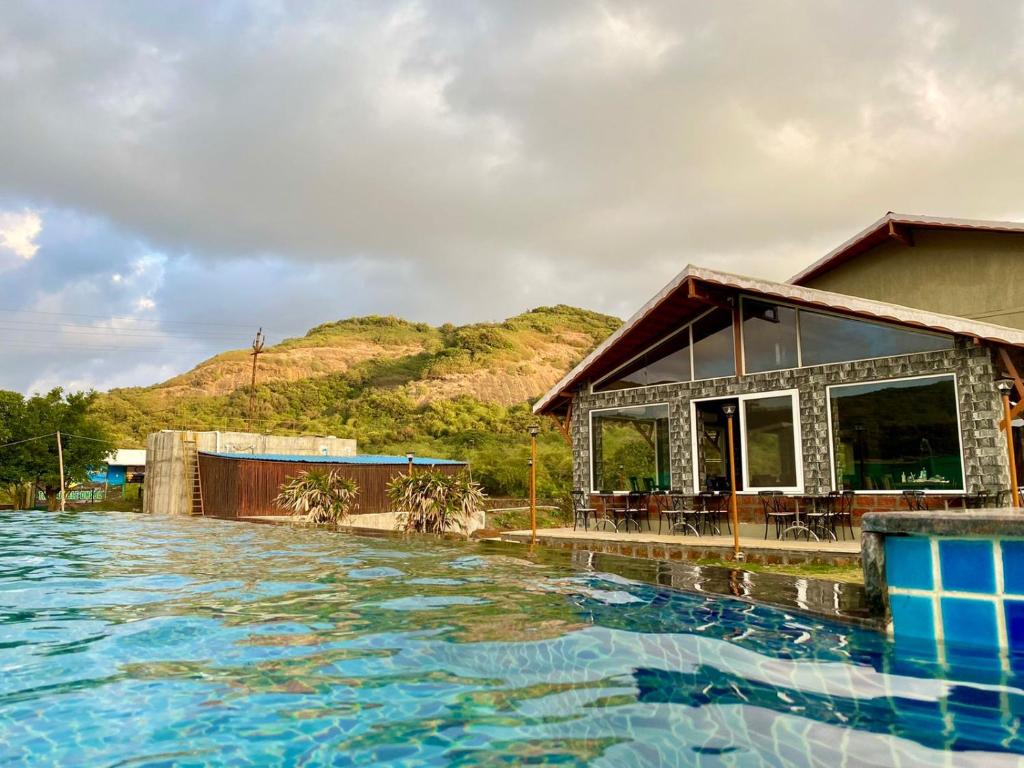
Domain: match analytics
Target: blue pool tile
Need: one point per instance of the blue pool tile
(967, 565)
(908, 562)
(1014, 612)
(912, 616)
(1013, 567)
(969, 622)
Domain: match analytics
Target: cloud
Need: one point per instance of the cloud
(454, 161)
(18, 232)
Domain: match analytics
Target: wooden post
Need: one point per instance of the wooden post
(60, 459)
(1014, 488)
(734, 512)
(534, 429)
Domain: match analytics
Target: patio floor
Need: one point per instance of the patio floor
(651, 544)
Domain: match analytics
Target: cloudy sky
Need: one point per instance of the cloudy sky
(175, 175)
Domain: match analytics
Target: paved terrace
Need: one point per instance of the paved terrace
(655, 546)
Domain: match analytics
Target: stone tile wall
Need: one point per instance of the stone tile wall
(984, 455)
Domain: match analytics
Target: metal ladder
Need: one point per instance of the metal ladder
(193, 477)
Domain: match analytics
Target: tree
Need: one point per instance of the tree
(323, 497)
(36, 421)
(435, 502)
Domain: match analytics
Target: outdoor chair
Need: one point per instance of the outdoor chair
(708, 513)
(776, 512)
(842, 511)
(636, 509)
(607, 515)
(821, 521)
(581, 511)
(915, 501)
(669, 507)
(978, 500)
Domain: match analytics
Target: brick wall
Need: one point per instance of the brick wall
(984, 459)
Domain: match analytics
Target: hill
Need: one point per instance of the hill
(450, 391)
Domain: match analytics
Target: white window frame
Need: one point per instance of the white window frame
(740, 437)
(590, 420)
(893, 491)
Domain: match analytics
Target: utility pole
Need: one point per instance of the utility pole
(60, 458)
(257, 348)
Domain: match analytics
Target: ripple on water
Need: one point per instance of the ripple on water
(235, 644)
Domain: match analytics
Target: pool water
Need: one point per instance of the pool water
(131, 640)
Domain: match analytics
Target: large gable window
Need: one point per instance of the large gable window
(769, 336)
(897, 435)
(666, 363)
(832, 339)
(630, 448)
(714, 346)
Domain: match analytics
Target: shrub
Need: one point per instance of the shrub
(323, 497)
(435, 502)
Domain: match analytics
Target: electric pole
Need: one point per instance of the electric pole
(257, 348)
(60, 460)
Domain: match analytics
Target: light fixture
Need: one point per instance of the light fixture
(1004, 385)
(729, 409)
(533, 429)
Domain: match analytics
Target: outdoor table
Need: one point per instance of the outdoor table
(798, 525)
(619, 512)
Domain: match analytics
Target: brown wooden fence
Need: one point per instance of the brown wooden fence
(243, 487)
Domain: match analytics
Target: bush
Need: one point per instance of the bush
(435, 502)
(323, 497)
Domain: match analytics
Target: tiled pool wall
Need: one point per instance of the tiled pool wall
(966, 592)
(951, 580)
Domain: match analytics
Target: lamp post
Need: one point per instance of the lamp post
(533, 429)
(409, 457)
(734, 513)
(1004, 386)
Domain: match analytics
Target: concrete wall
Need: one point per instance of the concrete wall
(169, 490)
(970, 274)
(985, 464)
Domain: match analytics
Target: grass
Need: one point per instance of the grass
(850, 574)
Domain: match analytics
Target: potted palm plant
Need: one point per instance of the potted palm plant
(321, 496)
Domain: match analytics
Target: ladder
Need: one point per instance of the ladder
(193, 479)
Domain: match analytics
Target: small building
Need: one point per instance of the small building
(238, 485)
(830, 391)
(125, 465)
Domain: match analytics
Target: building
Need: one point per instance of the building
(241, 485)
(172, 460)
(125, 465)
(831, 392)
(959, 267)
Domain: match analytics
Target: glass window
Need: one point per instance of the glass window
(770, 433)
(897, 435)
(769, 336)
(714, 346)
(831, 339)
(667, 363)
(630, 448)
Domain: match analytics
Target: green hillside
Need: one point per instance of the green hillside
(452, 392)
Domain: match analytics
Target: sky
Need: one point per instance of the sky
(174, 176)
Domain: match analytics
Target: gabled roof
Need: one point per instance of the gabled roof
(898, 226)
(680, 301)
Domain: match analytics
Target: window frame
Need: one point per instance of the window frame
(959, 432)
(741, 426)
(590, 436)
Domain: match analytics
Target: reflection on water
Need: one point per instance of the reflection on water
(129, 640)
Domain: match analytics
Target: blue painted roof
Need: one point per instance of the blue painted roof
(419, 461)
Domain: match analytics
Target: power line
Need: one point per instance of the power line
(27, 440)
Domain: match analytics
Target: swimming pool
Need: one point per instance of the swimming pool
(134, 640)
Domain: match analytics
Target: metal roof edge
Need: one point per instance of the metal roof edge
(843, 303)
